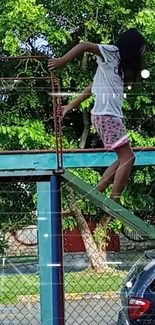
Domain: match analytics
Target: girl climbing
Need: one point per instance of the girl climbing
(118, 65)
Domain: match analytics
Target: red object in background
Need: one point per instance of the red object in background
(73, 241)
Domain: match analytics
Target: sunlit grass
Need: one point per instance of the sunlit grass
(12, 286)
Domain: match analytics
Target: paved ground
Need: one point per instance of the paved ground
(84, 312)
(92, 312)
(75, 262)
(79, 312)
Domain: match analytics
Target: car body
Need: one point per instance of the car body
(138, 293)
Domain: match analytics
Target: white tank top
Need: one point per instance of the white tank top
(108, 85)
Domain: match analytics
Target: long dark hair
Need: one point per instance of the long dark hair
(130, 45)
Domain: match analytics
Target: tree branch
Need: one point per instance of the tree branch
(85, 130)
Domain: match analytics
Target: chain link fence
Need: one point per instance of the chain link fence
(92, 289)
(19, 274)
(95, 281)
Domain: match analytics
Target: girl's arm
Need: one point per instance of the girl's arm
(75, 103)
(54, 64)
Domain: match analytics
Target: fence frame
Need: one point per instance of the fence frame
(40, 166)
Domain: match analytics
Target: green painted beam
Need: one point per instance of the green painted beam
(47, 159)
(45, 252)
(26, 176)
(108, 205)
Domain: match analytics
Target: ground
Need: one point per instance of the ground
(92, 312)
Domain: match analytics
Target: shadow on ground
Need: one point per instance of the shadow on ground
(73, 263)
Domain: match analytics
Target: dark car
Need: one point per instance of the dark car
(138, 293)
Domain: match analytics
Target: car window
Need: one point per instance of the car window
(136, 270)
(152, 286)
(150, 255)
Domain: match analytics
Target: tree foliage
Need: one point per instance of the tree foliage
(30, 27)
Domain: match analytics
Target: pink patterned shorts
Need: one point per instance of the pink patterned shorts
(111, 130)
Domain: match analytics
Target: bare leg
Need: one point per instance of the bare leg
(126, 160)
(108, 177)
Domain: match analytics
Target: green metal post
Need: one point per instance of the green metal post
(45, 252)
(51, 252)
